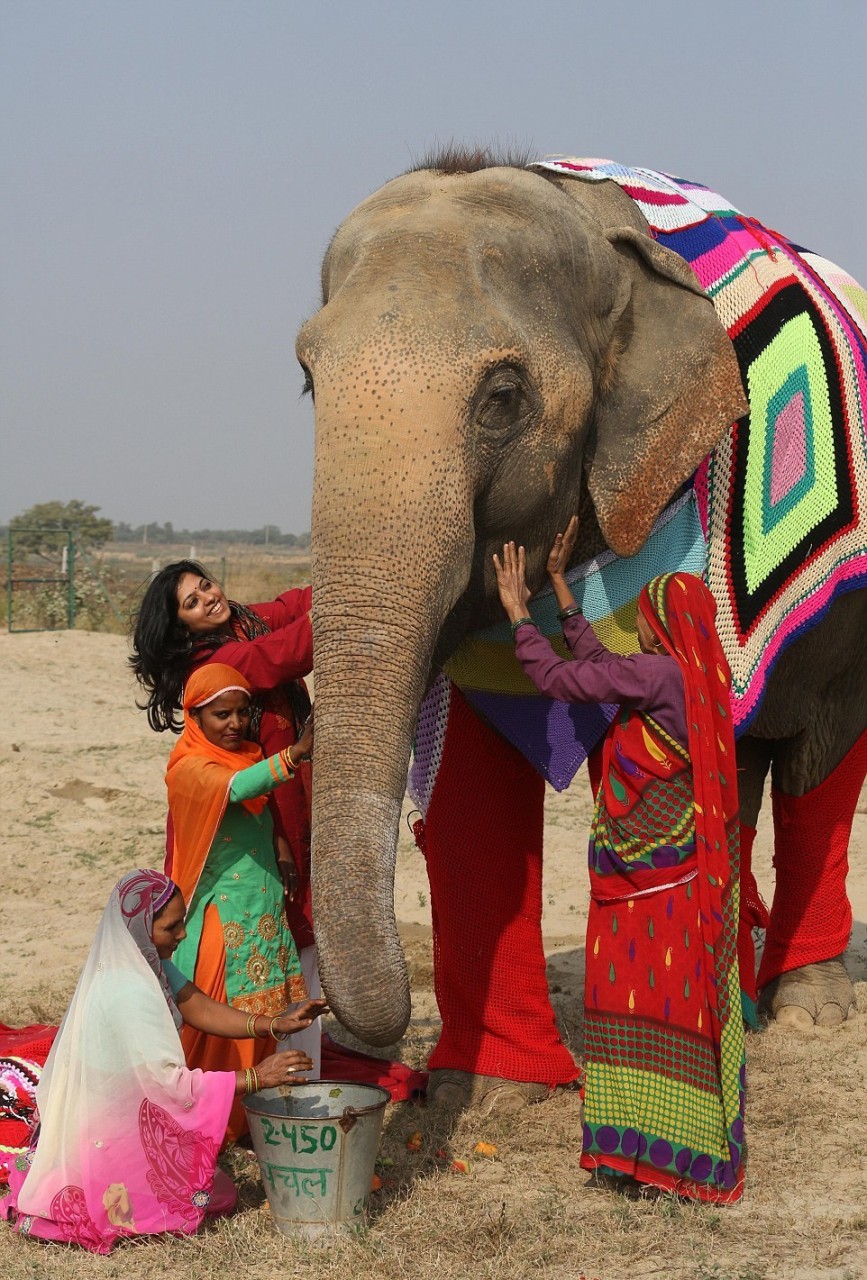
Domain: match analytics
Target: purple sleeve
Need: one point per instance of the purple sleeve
(643, 682)
(582, 641)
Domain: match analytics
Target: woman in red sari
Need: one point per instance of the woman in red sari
(664, 1074)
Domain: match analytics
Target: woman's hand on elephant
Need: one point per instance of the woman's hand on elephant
(286, 866)
(283, 1068)
(289, 876)
(299, 1017)
(511, 581)
(561, 549)
(302, 749)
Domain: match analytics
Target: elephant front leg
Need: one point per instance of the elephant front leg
(802, 976)
(499, 1047)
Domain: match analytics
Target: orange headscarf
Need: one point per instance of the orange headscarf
(199, 775)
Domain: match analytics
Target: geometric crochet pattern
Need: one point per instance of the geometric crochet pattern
(788, 495)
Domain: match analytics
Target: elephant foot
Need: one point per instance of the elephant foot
(464, 1091)
(818, 995)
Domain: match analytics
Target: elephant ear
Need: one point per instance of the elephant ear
(673, 389)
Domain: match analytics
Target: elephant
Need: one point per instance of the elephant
(499, 346)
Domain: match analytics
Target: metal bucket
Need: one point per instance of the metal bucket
(316, 1144)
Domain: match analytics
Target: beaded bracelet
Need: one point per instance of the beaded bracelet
(569, 613)
(520, 622)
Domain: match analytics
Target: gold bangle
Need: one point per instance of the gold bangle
(292, 766)
(251, 1026)
(247, 1088)
(255, 1079)
(284, 1035)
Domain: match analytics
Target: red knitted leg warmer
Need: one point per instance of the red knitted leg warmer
(811, 917)
(483, 837)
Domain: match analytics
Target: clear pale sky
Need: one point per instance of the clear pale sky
(173, 170)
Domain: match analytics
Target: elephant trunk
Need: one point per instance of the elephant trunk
(378, 607)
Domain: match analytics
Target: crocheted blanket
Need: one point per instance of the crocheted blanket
(776, 506)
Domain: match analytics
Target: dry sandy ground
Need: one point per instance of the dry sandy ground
(83, 801)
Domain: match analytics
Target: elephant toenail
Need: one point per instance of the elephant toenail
(792, 1015)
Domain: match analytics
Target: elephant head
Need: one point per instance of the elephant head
(494, 351)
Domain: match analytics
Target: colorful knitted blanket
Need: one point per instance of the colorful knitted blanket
(775, 508)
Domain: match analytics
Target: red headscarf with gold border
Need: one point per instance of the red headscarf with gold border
(681, 611)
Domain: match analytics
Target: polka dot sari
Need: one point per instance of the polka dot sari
(664, 1039)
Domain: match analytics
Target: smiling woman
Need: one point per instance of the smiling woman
(202, 606)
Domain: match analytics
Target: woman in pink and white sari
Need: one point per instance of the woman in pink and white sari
(128, 1137)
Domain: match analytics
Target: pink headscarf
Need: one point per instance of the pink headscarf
(129, 1136)
(141, 895)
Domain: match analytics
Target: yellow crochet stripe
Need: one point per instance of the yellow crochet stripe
(491, 667)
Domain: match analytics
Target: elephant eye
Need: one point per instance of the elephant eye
(504, 402)
(504, 397)
(307, 387)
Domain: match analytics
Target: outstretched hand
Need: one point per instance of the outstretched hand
(299, 1017)
(561, 549)
(511, 581)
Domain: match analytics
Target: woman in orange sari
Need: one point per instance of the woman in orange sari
(664, 1038)
(238, 948)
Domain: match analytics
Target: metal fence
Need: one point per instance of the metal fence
(40, 579)
(54, 582)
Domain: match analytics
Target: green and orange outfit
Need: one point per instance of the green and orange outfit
(238, 949)
(663, 1024)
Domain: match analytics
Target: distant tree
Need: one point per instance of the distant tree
(91, 531)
